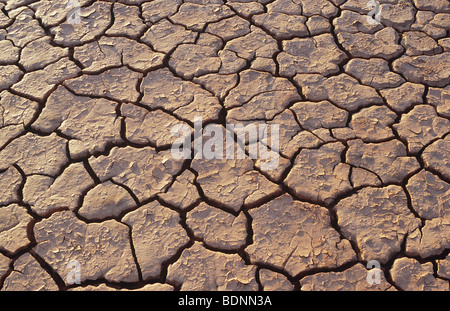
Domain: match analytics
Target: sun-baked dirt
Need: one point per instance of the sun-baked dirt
(88, 180)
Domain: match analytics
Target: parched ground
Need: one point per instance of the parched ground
(87, 178)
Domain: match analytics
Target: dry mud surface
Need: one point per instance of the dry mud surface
(87, 176)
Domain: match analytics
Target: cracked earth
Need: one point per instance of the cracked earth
(87, 174)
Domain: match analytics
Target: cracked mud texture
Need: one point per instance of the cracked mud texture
(87, 175)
